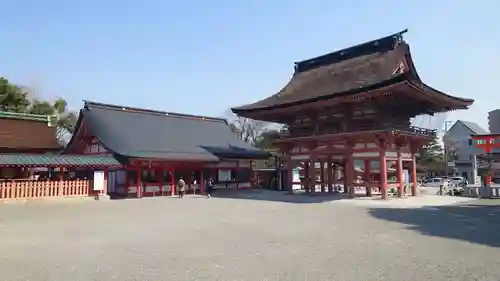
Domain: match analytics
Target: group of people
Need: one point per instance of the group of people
(181, 187)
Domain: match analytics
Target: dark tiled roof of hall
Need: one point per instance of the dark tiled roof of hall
(143, 133)
(364, 67)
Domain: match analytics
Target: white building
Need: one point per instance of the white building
(494, 121)
(458, 137)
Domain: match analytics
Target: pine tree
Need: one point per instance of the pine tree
(431, 152)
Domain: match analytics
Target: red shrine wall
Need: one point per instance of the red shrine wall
(224, 172)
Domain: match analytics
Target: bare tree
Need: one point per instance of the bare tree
(246, 129)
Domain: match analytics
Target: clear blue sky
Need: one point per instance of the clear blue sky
(204, 56)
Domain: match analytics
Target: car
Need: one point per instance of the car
(458, 181)
(435, 182)
(458, 184)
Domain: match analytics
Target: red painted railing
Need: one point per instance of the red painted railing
(32, 189)
(285, 132)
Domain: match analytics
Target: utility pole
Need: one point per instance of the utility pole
(445, 148)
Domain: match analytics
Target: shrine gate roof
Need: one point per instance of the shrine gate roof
(22, 132)
(142, 133)
(364, 67)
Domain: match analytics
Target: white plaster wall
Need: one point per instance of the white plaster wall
(131, 189)
(234, 185)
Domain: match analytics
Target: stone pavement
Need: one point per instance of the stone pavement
(421, 201)
(248, 236)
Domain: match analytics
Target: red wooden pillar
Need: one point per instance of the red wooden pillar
(413, 175)
(214, 172)
(312, 174)
(350, 176)
(344, 175)
(329, 174)
(322, 175)
(307, 181)
(127, 182)
(61, 178)
(160, 177)
(383, 175)
(105, 187)
(368, 178)
(115, 180)
(139, 189)
(172, 181)
(253, 177)
(237, 170)
(399, 175)
(202, 182)
(488, 149)
(289, 174)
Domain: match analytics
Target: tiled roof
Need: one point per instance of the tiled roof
(26, 132)
(141, 133)
(368, 66)
(57, 160)
(25, 116)
(474, 127)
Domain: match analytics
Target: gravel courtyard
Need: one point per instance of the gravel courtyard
(247, 238)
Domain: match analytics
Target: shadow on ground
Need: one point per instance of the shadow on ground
(279, 196)
(474, 222)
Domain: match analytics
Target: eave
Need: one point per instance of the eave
(334, 96)
(403, 86)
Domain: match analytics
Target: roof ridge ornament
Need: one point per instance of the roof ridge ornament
(400, 68)
(382, 44)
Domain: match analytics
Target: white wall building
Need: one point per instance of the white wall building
(459, 138)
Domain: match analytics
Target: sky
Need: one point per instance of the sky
(202, 57)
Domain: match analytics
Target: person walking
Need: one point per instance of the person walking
(181, 186)
(210, 187)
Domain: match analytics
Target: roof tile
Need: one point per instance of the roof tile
(57, 160)
(26, 134)
(364, 67)
(152, 134)
(474, 127)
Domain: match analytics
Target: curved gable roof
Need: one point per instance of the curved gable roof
(364, 67)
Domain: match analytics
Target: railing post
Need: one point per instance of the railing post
(61, 178)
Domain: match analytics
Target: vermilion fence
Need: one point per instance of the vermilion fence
(31, 189)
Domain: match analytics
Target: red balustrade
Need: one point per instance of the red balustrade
(32, 189)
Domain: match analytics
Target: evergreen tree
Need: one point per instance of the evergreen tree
(264, 141)
(431, 152)
(14, 99)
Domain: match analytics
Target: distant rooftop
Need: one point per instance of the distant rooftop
(25, 116)
(27, 133)
(474, 127)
